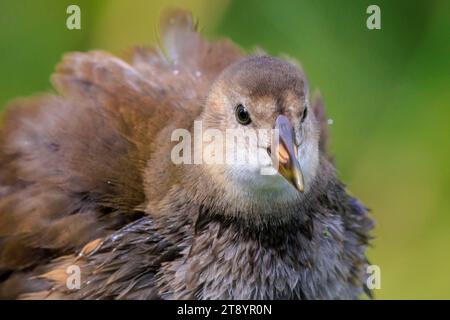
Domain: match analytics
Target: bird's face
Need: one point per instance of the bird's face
(261, 105)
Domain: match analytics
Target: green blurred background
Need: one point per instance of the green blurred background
(387, 91)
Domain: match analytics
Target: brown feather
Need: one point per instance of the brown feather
(318, 108)
(86, 179)
(54, 196)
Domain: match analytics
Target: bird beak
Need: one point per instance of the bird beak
(284, 153)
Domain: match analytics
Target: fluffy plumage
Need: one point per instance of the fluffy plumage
(86, 179)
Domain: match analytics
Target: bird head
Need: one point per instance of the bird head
(260, 105)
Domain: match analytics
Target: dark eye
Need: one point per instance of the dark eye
(305, 113)
(242, 115)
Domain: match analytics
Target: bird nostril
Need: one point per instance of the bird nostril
(283, 155)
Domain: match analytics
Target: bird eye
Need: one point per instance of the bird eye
(305, 113)
(242, 115)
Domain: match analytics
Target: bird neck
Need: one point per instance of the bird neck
(225, 199)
